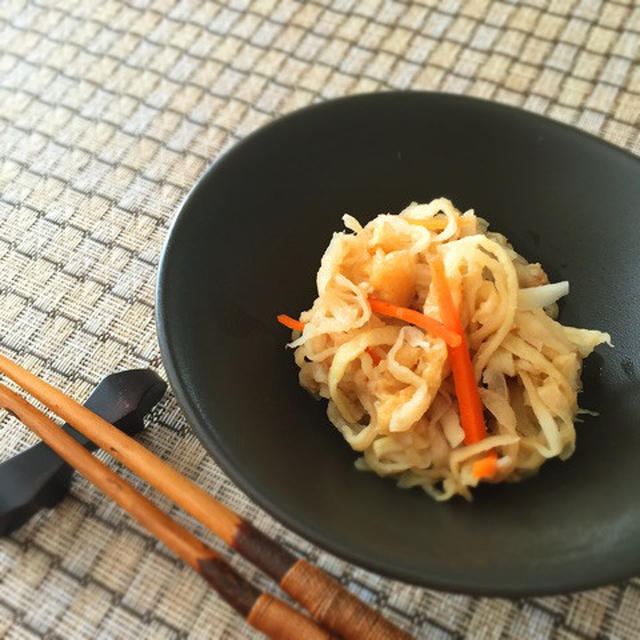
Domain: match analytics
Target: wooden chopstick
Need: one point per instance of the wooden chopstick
(331, 604)
(262, 610)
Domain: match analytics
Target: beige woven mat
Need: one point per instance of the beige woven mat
(109, 111)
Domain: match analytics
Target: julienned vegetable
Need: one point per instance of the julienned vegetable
(414, 407)
(432, 224)
(486, 466)
(469, 403)
(430, 325)
(292, 323)
(542, 296)
(373, 354)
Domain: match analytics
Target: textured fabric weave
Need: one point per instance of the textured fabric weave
(109, 112)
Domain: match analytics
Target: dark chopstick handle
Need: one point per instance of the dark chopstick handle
(329, 602)
(263, 611)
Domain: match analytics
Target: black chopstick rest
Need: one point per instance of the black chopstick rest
(38, 478)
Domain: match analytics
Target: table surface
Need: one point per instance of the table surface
(109, 112)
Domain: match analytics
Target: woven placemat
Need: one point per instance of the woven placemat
(109, 112)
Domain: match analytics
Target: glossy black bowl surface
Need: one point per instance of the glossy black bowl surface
(246, 246)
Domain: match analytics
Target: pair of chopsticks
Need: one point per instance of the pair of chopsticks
(335, 609)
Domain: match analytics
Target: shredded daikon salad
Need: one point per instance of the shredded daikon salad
(438, 349)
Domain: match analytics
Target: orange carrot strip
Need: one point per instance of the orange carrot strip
(469, 403)
(374, 355)
(485, 467)
(432, 326)
(290, 322)
(433, 224)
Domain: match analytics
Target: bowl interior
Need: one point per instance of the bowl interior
(247, 246)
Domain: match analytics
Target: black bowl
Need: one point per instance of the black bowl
(247, 245)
